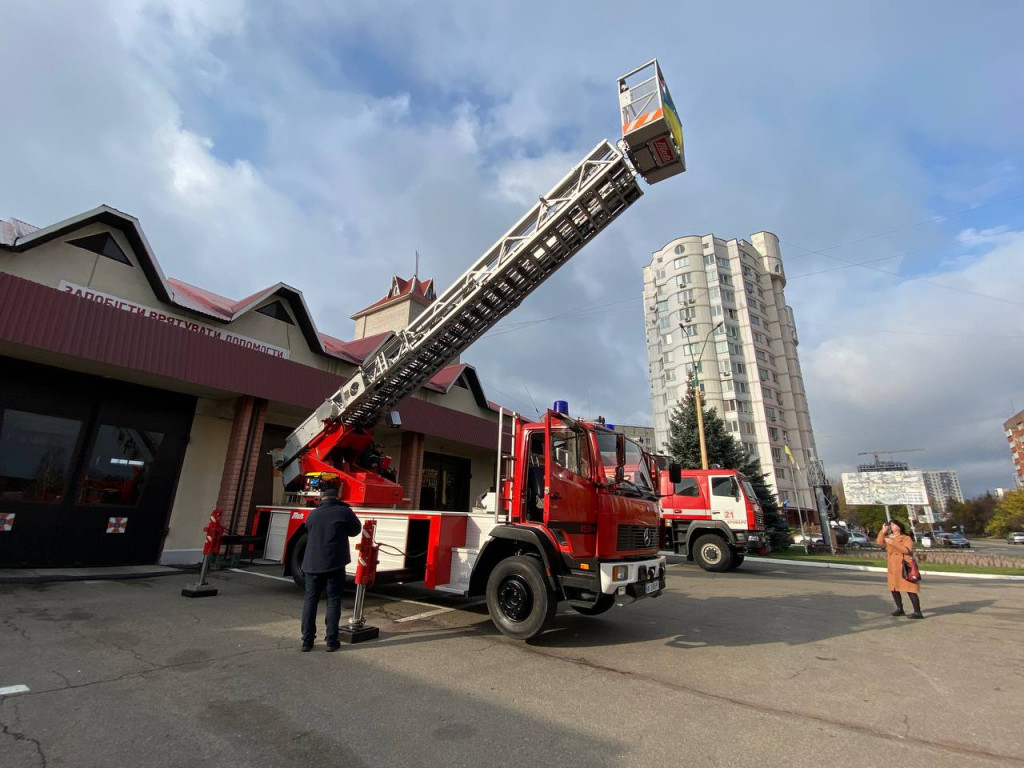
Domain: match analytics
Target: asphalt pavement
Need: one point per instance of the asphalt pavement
(770, 665)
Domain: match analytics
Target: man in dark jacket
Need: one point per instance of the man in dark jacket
(328, 528)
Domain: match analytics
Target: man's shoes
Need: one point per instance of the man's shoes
(916, 615)
(332, 647)
(307, 647)
(899, 612)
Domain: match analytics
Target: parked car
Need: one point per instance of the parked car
(858, 540)
(955, 540)
(1016, 537)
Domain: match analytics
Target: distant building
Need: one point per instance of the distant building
(720, 306)
(942, 486)
(1014, 427)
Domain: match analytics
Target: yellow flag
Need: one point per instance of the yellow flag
(789, 453)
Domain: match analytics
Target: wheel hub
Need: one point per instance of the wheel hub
(515, 599)
(711, 554)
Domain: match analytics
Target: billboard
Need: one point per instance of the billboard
(884, 488)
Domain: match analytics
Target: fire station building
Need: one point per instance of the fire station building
(133, 404)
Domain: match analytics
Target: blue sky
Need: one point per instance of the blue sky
(322, 144)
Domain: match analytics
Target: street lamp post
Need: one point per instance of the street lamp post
(696, 392)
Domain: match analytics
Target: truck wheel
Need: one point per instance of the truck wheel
(518, 598)
(298, 552)
(737, 561)
(604, 602)
(712, 553)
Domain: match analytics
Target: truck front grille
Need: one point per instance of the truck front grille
(631, 537)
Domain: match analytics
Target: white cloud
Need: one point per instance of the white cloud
(322, 144)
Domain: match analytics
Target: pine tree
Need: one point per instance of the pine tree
(723, 449)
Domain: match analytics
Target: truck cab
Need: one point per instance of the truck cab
(712, 516)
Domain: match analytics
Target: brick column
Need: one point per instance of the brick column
(240, 462)
(410, 467)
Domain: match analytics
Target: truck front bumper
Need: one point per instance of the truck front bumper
(753, 542)
(636, 578)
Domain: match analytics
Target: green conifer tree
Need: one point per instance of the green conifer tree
(724, 450)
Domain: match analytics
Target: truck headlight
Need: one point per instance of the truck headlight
(741, 536)
(620, 572)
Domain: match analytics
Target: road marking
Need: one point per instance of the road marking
(438, 611)
(263, 575)
(13, 689)
(291, 581)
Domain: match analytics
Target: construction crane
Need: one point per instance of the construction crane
(876, 454)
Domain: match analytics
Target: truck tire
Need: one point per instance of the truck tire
(604, 602)
(518, 598)
(713, 553)
(737, 561)
(298, 552)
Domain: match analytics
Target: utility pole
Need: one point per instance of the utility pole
(823, 501)
(696, 392)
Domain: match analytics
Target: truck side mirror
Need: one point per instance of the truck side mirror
(620, 458)
(675, 473)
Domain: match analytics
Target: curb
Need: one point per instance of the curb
(877, 569)
(34, 577)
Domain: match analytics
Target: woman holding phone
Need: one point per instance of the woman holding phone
(898, 545)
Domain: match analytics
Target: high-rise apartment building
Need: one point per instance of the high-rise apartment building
(1014, 427)
(942, 486)
(719, 305)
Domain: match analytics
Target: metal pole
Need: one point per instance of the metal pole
(700, 422)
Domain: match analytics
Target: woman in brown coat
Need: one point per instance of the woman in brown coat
(898, 546)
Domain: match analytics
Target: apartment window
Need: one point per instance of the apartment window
(689, 330)
(767, 392)
(732, 426)
(728, 296)
(714, 293)
(762, 374)
(667, 356)
(724, 278)
(739, 368)
(683, 261)
(760, 354)
(665, 322)
(781, 473)
(670, 375)
(771, 359)
(732, 331)
(684, 279)
(742, 388)
(671, 393)
(770, 413)
(723, 263)
(660, 274)
(727, 385)
(731, 314)
(730, 405)
(716, 310)
(778, 398)
(712, 275)
(749, 286)
(709, 259)
(775, 377)
(679, 249)
(666, 339)
(719, 330)
(724, 365)
(721, 347)
(755, 320)
(686, 296)
(747, 428)
(747, 271)
(777, 454)
(773, 433)
(759, 338)
(662, 305)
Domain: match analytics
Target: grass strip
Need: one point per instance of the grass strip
(799, 554)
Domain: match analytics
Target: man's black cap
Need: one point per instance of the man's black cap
(329, 493)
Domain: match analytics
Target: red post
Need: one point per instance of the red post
(214, 532)
(366, 569)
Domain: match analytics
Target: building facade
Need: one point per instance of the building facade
(1014, 429)
(943, 486)
(132, 404)
(719, 307)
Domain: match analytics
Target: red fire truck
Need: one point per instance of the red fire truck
(568, 525)
(713, 517)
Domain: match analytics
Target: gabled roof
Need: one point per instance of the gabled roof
(17, 236)
(420, 291)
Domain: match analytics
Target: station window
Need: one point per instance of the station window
(35, 455)
(119, 466)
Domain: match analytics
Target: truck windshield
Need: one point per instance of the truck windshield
(637, 472)
(748, 489)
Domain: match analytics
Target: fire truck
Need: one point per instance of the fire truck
(712, 516)
(575, 517)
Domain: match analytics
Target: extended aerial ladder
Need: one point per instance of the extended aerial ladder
(577, 208)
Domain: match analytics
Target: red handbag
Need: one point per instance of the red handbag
(911, 572)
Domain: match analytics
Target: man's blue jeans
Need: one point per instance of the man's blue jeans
(334, 581)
